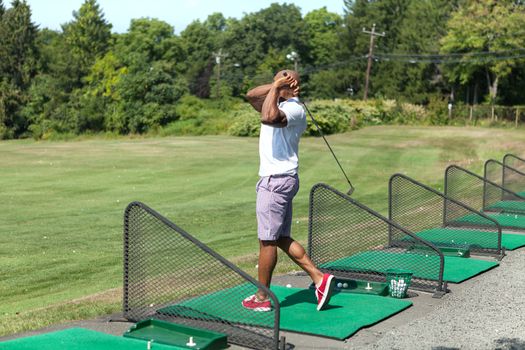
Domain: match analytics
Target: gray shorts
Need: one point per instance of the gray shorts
(274, 206)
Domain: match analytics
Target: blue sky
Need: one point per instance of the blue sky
(52, 13)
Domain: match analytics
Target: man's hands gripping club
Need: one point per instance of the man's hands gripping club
(284, 87)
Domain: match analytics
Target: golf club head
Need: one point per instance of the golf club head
(350, 191)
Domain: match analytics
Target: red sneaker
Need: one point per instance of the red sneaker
(255, 304)
(324, 292)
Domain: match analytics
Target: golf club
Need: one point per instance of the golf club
(351, 190)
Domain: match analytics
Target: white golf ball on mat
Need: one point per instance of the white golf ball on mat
(345, 285)
(339, 285)
(288, 285)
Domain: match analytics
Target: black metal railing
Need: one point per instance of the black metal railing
(515, 162)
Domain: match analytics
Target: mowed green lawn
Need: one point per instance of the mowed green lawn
(61, 203)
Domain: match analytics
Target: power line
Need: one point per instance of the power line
(452, 54)
(421, 58)
(447, 59)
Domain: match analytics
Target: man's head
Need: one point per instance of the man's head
(288, 72)
(289, 91)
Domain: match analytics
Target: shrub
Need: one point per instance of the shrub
(411, 114)
(332, 117)
(5, 133)
(189, 107)
(247, 122)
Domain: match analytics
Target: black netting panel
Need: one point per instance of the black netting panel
(515, 162)
(478, 193)
(506, 176)
(352, 241)
(421, 209)
(169, 275)
(512, 180)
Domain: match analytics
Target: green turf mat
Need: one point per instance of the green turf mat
(456, 269)
(475, 238)
(509, 206)
(79, 339)
(345, 315)
(505, 220)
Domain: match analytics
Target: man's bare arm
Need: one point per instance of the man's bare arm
(256, 96)
(271, 114)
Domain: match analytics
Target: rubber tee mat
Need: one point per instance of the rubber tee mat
(505, 220)
(509, 206)
(456, 269)
(345, 315)
(475, 238)
(79, 339)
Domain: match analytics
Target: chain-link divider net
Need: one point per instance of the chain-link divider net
(515, 162)
(417, 207)
(475, 191)
(170, 275)
(507, 177)
(341, 228)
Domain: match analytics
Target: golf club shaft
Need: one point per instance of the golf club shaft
(330, 148)
(351, 190)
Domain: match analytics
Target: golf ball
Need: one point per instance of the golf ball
(345, 285)
(288, 285)
(339, 285)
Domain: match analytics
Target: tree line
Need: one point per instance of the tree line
(86, 79)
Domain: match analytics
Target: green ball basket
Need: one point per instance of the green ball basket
(398, 282)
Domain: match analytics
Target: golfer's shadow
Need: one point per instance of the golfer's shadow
(304, 296)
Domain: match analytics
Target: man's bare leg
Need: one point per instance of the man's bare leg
(297, 253)
(267, 262)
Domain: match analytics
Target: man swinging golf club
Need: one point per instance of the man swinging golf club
(283, 120)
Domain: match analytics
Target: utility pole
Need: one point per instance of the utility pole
(218, 56)
(373, 34)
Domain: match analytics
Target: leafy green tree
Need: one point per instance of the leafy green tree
(203, 41)
(484, 29)
(330, 83)
(150, 40)
(323, 30)
(18, 57)
(148, 97)
(141, 79)
(276, 30)
(388, 15)
(87, 37)
(50, 90)
(104, 77)
(415, 78)
(18, 52)
(327, 76)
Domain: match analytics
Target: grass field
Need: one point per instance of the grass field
(61, 203)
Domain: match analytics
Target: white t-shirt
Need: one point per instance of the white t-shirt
(279, 147)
